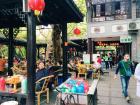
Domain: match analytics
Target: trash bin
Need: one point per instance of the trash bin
(10, 103)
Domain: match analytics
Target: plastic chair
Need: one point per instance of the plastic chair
(44, 89)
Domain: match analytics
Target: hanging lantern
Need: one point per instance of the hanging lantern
(37, 6)
(77, 31)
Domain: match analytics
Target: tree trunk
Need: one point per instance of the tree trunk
(56, 39)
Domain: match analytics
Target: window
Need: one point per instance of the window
(138, 8)
(111, 10)
(108, 8)
(102, 9)
(98, 10)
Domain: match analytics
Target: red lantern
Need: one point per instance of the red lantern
(77, 31)
(37, 6)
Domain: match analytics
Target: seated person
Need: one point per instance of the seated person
(97, 66)
(41, 72)
(72, 67)
(2, 64)
(82, 67)
(92, 68)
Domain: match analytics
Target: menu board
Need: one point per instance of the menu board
(86, 58)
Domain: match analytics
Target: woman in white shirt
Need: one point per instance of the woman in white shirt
(137, 76)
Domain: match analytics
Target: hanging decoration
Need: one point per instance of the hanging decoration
(77, 31)
(37, 6)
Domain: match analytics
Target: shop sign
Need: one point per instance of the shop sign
(100, 29)
(119, 28)
(126, 39)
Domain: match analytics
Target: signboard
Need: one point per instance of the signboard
(86, 58)
(99, 30)
(127, 39)
(119, 28)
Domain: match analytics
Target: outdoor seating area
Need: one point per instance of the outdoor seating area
(47, 75)
(69, 52)
(18, 83)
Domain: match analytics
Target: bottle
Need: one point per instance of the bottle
(24, 85)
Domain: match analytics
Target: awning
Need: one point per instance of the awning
(55, 12)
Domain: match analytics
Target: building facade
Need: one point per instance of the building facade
(113, 20)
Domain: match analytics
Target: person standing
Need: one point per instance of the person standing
(106, 61)
(125, 69)
(137, 76)
(110, 60)
(99, 61)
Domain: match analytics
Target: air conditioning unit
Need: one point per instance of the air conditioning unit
(133, 26)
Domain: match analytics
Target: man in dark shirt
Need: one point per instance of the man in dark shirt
(41, 72)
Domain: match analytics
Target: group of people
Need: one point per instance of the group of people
(77, 65)
(126, 70)
(108, 60)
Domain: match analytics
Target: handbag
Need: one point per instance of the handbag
(128, 72)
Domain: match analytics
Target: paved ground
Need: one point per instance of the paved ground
(109, 92)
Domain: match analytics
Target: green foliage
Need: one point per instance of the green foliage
(22, 35)
(82, 26)
(3, 51)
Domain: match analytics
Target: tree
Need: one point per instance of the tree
(82, 26)
(56, 39)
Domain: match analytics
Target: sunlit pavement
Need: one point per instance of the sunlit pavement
(109, 92)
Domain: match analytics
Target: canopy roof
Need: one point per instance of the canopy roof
(55, 12)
